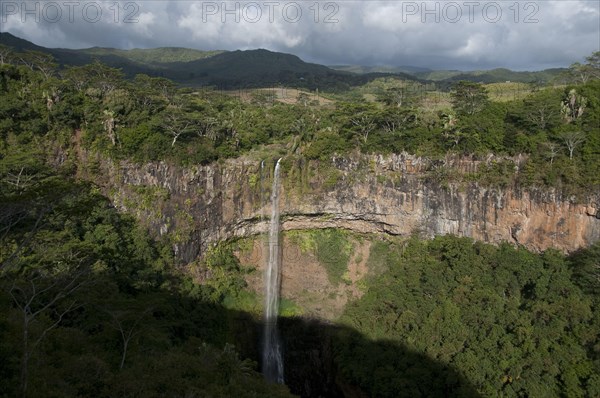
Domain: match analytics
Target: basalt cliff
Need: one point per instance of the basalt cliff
(398, 194)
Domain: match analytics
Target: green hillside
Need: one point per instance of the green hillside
(153, 56)
(497, 75)
(381, 69)
(224, 69)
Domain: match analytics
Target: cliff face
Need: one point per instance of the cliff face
(200, 205)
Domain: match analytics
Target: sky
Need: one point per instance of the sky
(467, 35)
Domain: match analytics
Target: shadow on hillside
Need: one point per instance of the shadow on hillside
(326, 360)
(321, 360)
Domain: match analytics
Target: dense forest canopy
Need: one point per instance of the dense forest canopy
(151, 118)
(91, 306)
(514, 323)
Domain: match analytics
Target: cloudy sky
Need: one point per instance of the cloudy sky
(522, 35)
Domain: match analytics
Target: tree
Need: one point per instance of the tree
(572, 139)
(593, 61)
(78, 76)
(208, 128)
(484, 310)
(451, 131)
(151, 91)
(587, 71)
(38, 295)
(108, 121)
(542, 109)
(399, 96)
(552, 151)
(581, 71)
(468, 97)
(365, 124)
(127, 323)
(36, 60)
(359, 118)
(28, 195)
(177, 123)
(303, 131)
(586, 269)
(99, 76)
(392, 120)
(573, 106)
(6, 54)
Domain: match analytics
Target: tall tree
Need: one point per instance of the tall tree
(541, 110)
(177, 122)
(38, 296)
(6, 54)
(128, 322)
(365, 124)
(572, 139)
(468, 98)
(587, 71)
(109, 123)
(399, 97)
(42, 62)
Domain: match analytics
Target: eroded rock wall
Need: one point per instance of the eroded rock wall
(200, 205)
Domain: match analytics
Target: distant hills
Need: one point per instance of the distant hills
(497, 75)
(258, 68)
(361, 69)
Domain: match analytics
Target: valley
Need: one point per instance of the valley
(274, 228)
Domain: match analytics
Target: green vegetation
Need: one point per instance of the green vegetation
(89, 306)
(512, 322)
(553, 131)
(152, 56)
(497, 75)
(468, 98)
(380, 256)
(332, 248)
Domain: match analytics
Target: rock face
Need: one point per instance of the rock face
(200, 205)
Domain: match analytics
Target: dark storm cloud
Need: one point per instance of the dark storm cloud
(439, 34)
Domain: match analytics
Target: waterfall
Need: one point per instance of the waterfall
(262, 191)
(272, 364)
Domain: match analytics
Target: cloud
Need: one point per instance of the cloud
(437, 34)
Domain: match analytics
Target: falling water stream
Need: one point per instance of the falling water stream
(272, 362)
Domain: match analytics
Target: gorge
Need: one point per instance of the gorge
(398, 238)
(372, 197)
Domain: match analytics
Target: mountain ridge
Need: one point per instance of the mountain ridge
(224, 69)
(495, 75)
(261, 67)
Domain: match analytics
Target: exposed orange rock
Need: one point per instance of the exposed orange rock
(373, 194)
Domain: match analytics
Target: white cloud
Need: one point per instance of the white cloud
(145, 24)
(374, 32)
